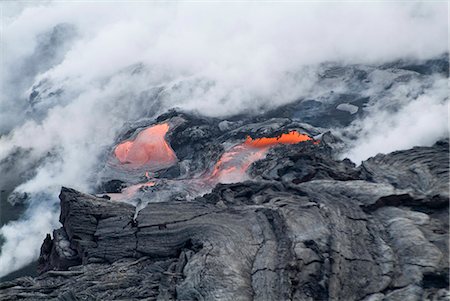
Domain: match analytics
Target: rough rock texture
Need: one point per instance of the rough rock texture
(307, 227)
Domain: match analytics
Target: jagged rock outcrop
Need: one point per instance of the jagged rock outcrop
(307, 227)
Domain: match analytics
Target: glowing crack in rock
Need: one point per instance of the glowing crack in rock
(149, 149)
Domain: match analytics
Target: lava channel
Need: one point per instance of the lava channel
(149, 149)
(232, 166)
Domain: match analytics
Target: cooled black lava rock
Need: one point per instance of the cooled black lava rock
(307, 227)
(304, 162)
(112, 186)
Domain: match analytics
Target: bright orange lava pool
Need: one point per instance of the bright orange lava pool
(149, 149)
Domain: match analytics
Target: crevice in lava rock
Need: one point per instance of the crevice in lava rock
(174, 274)
(418, 204)
(284, 265)
(57, 253)
(112, 186)
(435, 280)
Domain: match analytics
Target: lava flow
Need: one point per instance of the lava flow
(233, 164)
(293, 137)
(149, 149)
(129, 192)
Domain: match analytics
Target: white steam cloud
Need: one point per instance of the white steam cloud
(421, 121)
(74, 72)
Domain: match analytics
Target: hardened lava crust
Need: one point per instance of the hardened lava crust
(305, 226)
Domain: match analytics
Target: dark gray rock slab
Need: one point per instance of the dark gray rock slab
(378, 232)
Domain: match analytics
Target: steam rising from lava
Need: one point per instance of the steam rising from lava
(73, 74)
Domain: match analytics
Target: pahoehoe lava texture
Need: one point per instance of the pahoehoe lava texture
(306, 227)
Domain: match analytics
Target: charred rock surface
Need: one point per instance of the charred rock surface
(306, 227)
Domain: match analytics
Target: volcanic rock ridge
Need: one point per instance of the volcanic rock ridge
(301, 225)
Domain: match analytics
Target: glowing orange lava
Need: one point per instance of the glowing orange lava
(293, 137)
(233, 164)
(149, 149)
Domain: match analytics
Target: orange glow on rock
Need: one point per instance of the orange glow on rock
(149, 149)
(130, 191)
(233, 164)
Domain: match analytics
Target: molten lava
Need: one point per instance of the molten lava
(149, 149)
(293, 137)
(233, 164)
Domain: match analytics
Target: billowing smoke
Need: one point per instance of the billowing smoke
(74, 73)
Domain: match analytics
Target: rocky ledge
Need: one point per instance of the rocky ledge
(306, 228)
